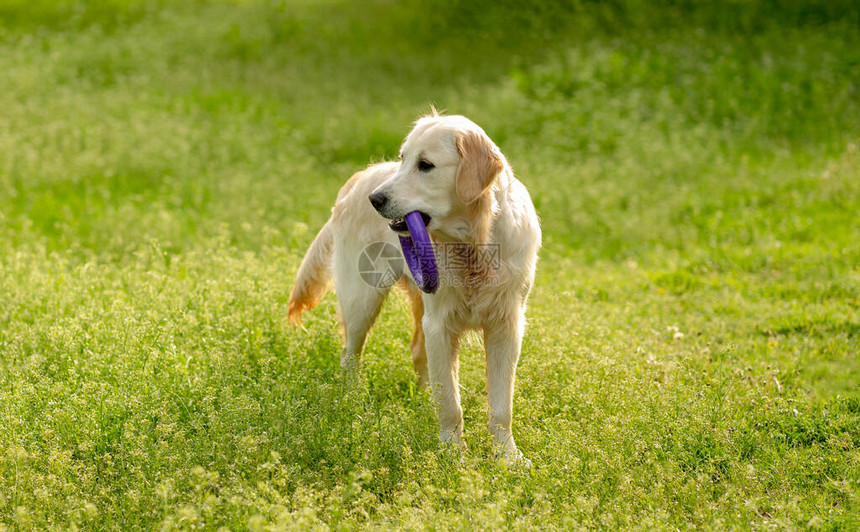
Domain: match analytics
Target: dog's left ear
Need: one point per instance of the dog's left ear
(481, 162)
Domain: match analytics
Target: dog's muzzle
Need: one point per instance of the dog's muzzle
(380, 201)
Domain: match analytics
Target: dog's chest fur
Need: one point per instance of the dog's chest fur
(475, 296)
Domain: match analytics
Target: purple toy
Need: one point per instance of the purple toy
(418, 251)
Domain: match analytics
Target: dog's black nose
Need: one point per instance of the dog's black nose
(378, 200)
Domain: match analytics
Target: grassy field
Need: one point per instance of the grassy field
(692, 355)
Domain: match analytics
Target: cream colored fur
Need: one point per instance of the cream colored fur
(472, 197)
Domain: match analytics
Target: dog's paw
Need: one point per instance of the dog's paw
(453, 436)
(350, 370)
(510, 455)
(513, 458)
(455, 454)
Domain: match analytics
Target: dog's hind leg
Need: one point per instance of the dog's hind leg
(419, 352)
(359, 303)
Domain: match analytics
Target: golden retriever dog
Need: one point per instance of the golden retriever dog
(486, 238)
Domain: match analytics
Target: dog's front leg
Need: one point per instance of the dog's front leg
(503, 342)
(441, 343)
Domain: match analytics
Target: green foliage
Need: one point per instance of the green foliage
(691, 360)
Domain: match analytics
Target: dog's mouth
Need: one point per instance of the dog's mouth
(398, 225)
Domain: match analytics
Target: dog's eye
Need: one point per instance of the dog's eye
(424, 166)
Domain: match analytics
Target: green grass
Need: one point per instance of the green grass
(692, 355)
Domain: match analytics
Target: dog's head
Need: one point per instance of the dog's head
(448, 166)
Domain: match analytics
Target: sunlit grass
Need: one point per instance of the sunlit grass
(691, 359)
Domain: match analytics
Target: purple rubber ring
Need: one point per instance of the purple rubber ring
(418, 251)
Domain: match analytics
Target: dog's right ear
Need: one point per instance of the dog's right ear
(481, 162)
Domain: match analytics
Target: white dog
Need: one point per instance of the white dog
(487, 236)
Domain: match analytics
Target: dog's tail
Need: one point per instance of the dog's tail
(313, 278)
